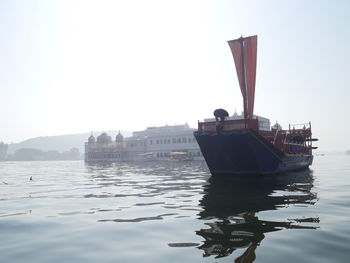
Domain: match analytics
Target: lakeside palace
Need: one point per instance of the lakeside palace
(170, 142)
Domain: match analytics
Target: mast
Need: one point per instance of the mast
(244, 77)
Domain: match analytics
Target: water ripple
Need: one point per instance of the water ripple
(68, 212)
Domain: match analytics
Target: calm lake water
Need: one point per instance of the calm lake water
(172, 212)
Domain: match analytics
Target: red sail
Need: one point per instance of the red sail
(244, 51)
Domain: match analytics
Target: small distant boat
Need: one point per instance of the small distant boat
(180, 156)
(148, 156)
(234, 145)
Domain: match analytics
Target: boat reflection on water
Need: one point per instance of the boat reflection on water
(231, 204)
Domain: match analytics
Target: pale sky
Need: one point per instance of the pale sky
(77, 66)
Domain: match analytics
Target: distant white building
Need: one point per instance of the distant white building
(155, 143)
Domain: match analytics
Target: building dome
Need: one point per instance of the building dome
(104, 138)
(276, 126)
(119, 137)
(92, 139)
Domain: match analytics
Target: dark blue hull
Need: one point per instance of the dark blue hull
(246, 152)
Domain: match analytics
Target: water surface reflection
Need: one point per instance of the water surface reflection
(149, 190)
(231, 205)
(236, 211)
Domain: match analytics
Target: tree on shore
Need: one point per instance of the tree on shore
(29, 154)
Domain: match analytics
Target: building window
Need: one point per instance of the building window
(183, 140)
(178, 140)
(174, 140)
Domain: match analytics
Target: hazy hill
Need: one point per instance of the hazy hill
(60, 143)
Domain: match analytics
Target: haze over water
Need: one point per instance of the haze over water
(172, 212)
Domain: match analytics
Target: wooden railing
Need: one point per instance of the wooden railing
(228, 125)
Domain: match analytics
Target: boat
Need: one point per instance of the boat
(181, 156)
(245, 145)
